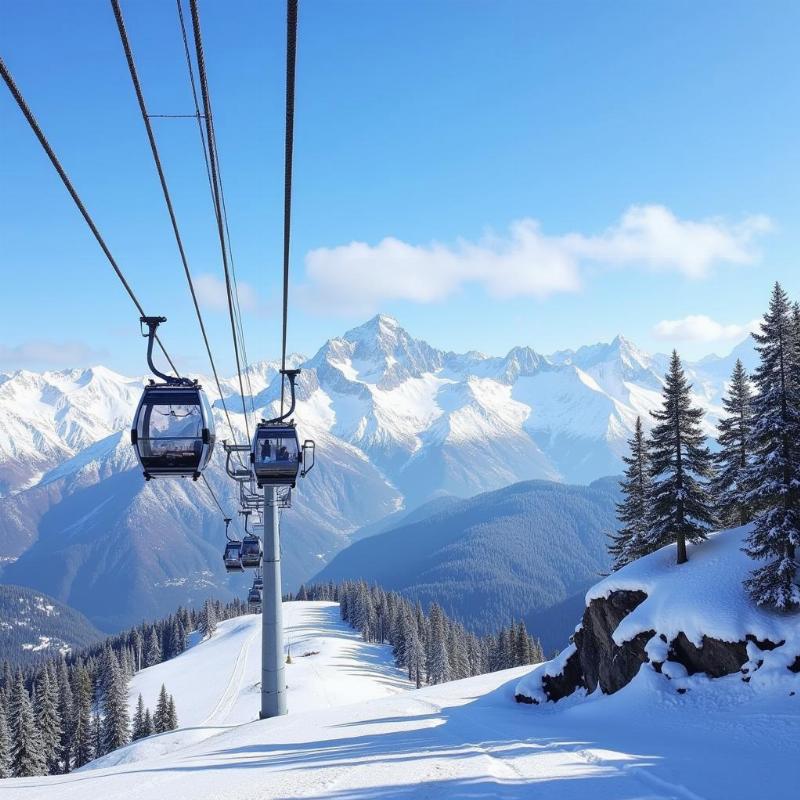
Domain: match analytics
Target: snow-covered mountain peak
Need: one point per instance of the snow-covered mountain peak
(379, 352)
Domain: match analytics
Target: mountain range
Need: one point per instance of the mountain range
(397, 423)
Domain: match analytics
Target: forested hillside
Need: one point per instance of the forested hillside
(34, 625)
(508, 554)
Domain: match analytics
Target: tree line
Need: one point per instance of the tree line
(430, 646)
(675, 490)
(63, 712)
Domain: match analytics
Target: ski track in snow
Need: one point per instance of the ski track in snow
(232, 691)
(358, 731)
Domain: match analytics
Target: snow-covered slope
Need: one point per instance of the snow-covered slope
(397, 422)
(216, 682)
(466, 739)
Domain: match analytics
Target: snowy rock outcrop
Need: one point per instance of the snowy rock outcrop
(679, 621)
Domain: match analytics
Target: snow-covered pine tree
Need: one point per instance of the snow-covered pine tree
(438, 663)
(116, 724)
(680, 466)
(152, 651)
(172, 715)
(161, 712)
(774, 477)
(208, 620)
(523, 646)
(27, 750)
(82, 744)
(729, 485)
(97, 735)
(5, 745)
(48, 720)
(416, 657)
(457, 652)
(148, 728)
(66, 712)
(137, 723)
(630, 541)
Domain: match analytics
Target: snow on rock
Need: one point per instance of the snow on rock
(687, 622)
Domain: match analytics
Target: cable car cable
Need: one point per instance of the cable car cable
(212, 151)
(214, 496)
(200, 117)
(28, 114)
(168, 200)
(291, 58)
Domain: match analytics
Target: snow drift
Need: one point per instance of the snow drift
(686, 623)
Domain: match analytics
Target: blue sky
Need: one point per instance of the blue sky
(515, 172)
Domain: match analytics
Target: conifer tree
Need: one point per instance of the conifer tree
(27, 750)
(152, 653)
(5, 745)
(208, 620)
(775, 474)
(729, 486)
(137, 723)
(116, 725)
(161, 713)
(438, 662)
(172, 715)
(680, 465)
(630, 541)
(66, 712)
(416, 657)
(148, 728)
(82, 736)
(48, 720)
(524, 648)
(97, 735)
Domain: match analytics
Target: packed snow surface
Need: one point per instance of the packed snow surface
(466, 739)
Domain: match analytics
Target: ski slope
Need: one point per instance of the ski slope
(216, 683)
(466, 739)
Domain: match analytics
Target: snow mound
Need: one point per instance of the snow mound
(680, 624)
(704, 597)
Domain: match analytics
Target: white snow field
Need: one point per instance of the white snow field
(467, 739)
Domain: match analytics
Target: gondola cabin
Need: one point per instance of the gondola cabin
(251, 552)
(277, 455)
(254, 597)
(233, 556)
(173, 431)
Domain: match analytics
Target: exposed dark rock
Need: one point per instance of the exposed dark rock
(716, 658)
(523, 698)
(602, 661)
(571, 677)
(599, 661)
(764, 644)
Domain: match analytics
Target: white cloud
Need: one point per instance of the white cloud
(211, 293)
(44, 353)
(524, 262)
(653, 236)
(700, 328)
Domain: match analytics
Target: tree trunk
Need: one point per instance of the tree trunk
(682, 556)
